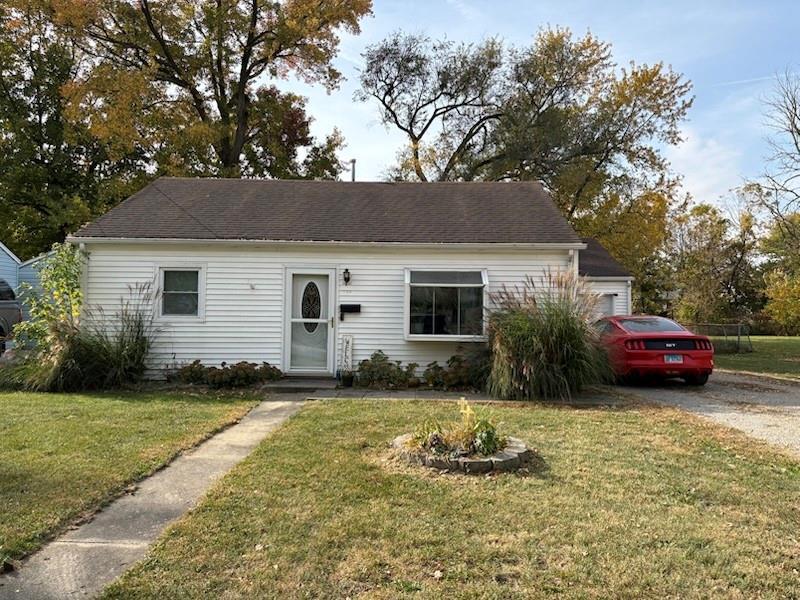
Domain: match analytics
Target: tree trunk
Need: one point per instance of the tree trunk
(415, 157)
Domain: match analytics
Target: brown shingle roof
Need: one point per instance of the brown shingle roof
(247, 209)
(595, 261)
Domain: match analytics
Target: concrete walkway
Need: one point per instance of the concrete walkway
(83, 561)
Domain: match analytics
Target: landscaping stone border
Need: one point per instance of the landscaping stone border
(512, 457)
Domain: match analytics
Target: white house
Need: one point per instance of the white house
(315, 276)
(609, 279)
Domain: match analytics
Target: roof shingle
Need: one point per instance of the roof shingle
(322, 211)
(596, 261)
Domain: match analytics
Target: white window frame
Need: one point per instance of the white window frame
(442, 338)
(201, 291)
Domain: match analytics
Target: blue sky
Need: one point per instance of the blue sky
(731, 51)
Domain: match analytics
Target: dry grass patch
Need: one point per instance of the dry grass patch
(634, 503)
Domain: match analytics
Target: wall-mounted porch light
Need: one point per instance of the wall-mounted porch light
(346, 276)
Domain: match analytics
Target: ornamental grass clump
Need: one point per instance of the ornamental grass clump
(65, 346)
(474, 434)
(542, 341)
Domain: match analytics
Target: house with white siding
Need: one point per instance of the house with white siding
(608, 279)
(314, 276)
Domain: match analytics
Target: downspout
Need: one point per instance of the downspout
(84, 277)
(630, 298)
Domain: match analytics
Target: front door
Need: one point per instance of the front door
(310, 326)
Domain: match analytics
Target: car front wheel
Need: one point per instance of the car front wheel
(696, 379)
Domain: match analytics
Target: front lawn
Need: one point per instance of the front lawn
(637, 502)
(771, 355)
(63, 455)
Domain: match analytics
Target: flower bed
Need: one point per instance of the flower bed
(514, 455)
(471, 445)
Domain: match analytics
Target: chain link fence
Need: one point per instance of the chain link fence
(728, 338)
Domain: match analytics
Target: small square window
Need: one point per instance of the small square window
(181, 292)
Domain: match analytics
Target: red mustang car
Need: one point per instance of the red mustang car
(643, 346)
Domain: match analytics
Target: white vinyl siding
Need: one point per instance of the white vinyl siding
(605, 305)
(615, 294)
(245, 295)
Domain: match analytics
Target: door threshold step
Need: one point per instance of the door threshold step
(301, 384)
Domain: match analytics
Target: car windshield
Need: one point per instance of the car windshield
(650, 325)
(6, 293)
(603, 326)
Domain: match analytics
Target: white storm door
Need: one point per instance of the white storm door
(311, 320)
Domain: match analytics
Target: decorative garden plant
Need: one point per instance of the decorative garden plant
(471, 445)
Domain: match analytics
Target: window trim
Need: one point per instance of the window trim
(430, 337)
(201, 291)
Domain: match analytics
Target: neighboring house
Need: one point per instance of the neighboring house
(9, 263)
(29, 271)
(9, 309)
(607, 278)
(314, 276)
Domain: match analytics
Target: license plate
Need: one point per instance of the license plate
(673, 359)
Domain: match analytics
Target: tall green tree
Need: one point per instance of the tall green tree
(777, 195)
(783, 300)
(54, 175)
(716, 271)
(778, 192)
(781, 246)
(185, 79)
(560, 111)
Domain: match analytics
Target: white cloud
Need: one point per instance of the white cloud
(710, 167)
(466, 10)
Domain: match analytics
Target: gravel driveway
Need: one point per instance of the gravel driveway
(763, 408)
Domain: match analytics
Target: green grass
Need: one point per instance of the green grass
(631, 503)
(63, 455)
(771, 355)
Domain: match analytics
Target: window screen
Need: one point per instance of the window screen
(181, 294)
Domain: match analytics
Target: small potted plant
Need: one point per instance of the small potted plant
(347, 378)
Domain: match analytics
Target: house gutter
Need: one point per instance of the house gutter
(611, 278)
(411, 245)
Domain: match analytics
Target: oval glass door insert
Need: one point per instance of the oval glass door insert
(311, 306)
